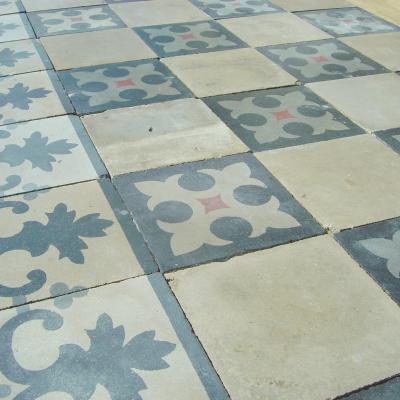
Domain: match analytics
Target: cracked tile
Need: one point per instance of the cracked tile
(15, 27)
(40, 5)
(304, 5)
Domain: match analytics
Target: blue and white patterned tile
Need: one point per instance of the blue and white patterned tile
(131, 83)
(15, 27)
(391, 137)
(46, 153)
(32, 96)
(209, 210)
(388, 390)
(10, 7)
(271, 119)
(81, 19)
(65, 239)
(42, 5)
(189, 38)
(321, 60)
(347, 21)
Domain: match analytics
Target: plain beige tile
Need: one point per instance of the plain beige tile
(38, 5)
(303, 5)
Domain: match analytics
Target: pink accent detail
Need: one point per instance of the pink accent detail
(213, 203)
(124, 82)
(187, 36)
(76, 18)
(320, 59)
(348, 21)
(284, 114)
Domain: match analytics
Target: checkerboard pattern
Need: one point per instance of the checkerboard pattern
(199, 199)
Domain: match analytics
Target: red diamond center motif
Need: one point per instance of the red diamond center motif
(284, 114)
(187, 36)
(320, 59)
(213, 203)
(124, 82)
(348, 21)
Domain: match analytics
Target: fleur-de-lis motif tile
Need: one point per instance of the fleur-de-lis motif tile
(22, 56)
(118, 85)
(347, 21)
(189, 38)
(321, 60)
(47, 153)
(270, 119)
(235, 8)
(391, 137)
(15, 27)
(208, 210)
(10, 6)
(376, 247)
(81, 19)
(74, 237)
(32, 96)
(129, 340)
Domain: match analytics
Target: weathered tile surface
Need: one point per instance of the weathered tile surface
(11, 7)
(383, 391)
(275, 118)
(243, 69)
(39, 5)
(158, 135)
(300, 321)
(387, 9)
(15, 27)
(95, 48)
(194, 213)
(303, 5)
(379, 94)
(391, 137)
(321, 60)
(342, 182)
(125, 84)
(66, 239)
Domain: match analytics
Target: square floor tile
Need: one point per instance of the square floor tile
(31, 96)
(158, 135)
(66, 239)
(210, 210)
(94, 48)
(125, 84)
(347, 21)
(343, 182)
(189, 38)
(391, 137)
(156, 12)
(321, 60)
(39, 5)
(379, 94)
(383, 48)
(228, 71)
(283, 117)
(22, 56)
(128, 340)
(46, 153)
(376, 248)
(300, 321)
(270, 29)
(73, 20)
(11, 7)
(235, 8)
(15, 27)
(303, 5)
(388, 390)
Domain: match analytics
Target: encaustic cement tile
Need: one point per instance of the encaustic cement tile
(342, 182)
(189, 38)
(83, 19)
(46, 153)
(11, 7)
(67, 239)
(347, 21)
(385, 391)
(22, 56)
(303, 5)
(321, 60)
(95, 48)
(131, 83)
(39, 5)
(159, 135)
(275, 118)
(391, 137)
(128, 340)
(15, 27)
(32, 96)
(209, 210)
(273, 332)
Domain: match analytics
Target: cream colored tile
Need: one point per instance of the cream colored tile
(271, 29)
(210, 74)
(38, 5)
(304, 5)
(95, 48)
(373, 101)
(387, 9)
(296, 322)
(343, 182)
(150, 136)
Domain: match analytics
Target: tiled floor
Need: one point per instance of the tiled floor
(199, 199)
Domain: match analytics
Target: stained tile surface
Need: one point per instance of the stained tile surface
(15, 27)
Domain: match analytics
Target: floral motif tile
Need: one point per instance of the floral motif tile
(22, 56)
(46, 153)
(11, 7)
(209, 210)
(235, 8)
(388, 390)
(125, 84)
(391, 137)
(66, 239)
(15, 27)
(128, 340)
(376, 248)
(321, 60)
(32, 96)
(72, 20)
(40, 5)
(347, 21)
(188, 38)
(275, 118)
